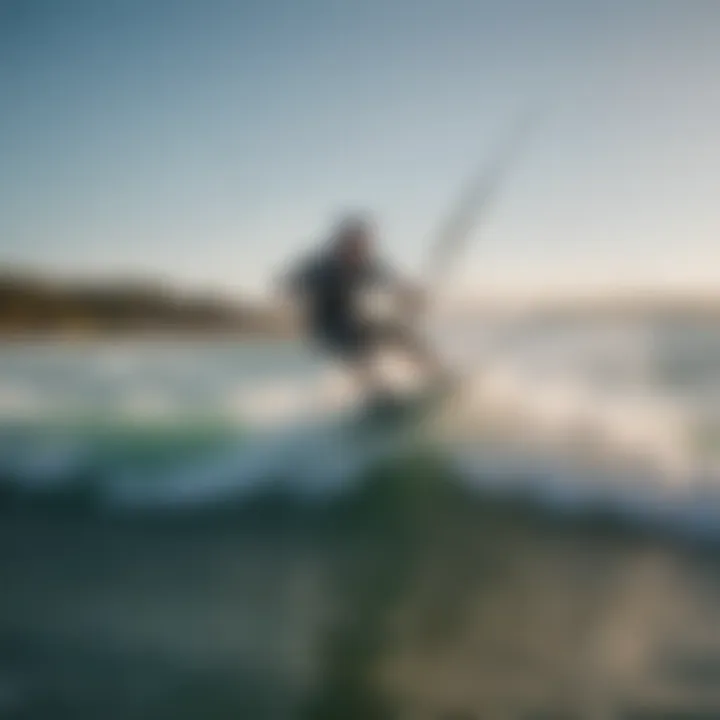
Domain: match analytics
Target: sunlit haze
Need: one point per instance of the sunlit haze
(359, 498)
(207, 142)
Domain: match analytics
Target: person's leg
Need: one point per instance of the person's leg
(365, 373)
(363, 348)
(418, 351)
(355, 350)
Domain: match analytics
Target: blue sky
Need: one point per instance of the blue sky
(205, 141)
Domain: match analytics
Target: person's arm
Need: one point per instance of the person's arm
(411, 295)
(382, 274)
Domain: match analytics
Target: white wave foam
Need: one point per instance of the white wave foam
(20, 401)
(576, 420)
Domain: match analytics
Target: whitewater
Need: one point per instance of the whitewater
(618, 416)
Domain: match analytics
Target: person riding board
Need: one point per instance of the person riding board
(331, 285)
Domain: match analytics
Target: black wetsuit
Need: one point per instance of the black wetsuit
(332, 291)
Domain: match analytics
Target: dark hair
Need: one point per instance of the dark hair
(352, 224)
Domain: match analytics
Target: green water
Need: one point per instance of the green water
(406, 597)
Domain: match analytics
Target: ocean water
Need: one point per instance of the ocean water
(623, 416)
(200, 530)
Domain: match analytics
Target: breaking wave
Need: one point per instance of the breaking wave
(617, 418)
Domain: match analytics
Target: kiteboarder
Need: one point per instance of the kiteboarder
(332, 284)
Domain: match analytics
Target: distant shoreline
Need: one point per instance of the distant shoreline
(37, 308)
(135, 336)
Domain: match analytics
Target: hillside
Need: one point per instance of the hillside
(34, 304)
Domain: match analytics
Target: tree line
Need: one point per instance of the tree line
(31, 303)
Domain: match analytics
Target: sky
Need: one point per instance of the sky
(207, 142)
